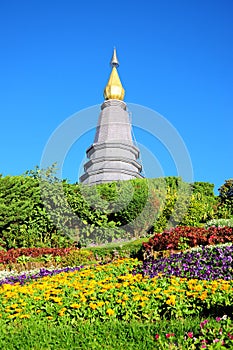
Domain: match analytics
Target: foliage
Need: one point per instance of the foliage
(24, 221)
(132, 249)
(188, 333)
(202, 204)
(143, 207)
(225, 208)
(186, 204)
(13, 255)
(194, 236)
(38, 209)
(220, 223)
(77, 257)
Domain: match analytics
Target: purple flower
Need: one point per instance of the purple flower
(42, 273)
(208, 263)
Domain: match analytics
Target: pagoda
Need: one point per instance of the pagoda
(113, 156)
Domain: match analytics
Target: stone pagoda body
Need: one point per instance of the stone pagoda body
(113, 156)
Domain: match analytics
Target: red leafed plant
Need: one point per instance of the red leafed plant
(11, 255)
(194, 236)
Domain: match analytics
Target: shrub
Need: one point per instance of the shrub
(77, 257)
(225, 205)
(186, 204)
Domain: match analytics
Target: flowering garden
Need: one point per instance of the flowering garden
(171, 289)
(177, 299)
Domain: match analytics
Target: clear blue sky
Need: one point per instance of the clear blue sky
(176, 58)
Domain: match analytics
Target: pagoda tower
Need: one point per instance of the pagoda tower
(113, 155)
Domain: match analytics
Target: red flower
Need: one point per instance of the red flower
(203, 323)
(156, 336)
(190, 334)
(168, 335)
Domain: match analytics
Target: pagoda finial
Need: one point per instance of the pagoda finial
(114, 89)
(114, 60)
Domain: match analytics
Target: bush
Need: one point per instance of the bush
(186, 204)
(77, 257)
(225, 205)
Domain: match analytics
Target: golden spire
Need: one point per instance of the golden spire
(114, 89)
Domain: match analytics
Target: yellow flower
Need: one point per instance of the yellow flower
(93, 306)
(13, 306)
(18, 310)
(23, 304)
(125, 284)
(75, 306)
(24, 316)
(62, 311)
(118, 301)
(198, 288)
(110, 312)
(203, 295)
(171, 300)
(49, 317)
(83, 299)
(56, 299)
(225, 287)
(100, 303)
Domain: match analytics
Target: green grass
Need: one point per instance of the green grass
(111, 335)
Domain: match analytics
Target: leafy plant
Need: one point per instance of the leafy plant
(225, 207)
(220, 223)
(23, 259)
(192, 236)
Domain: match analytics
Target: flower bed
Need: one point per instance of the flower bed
(108, 292)
(111, 290)
(11, 256)
(205, 264)
(25, 277)
(184, 237)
